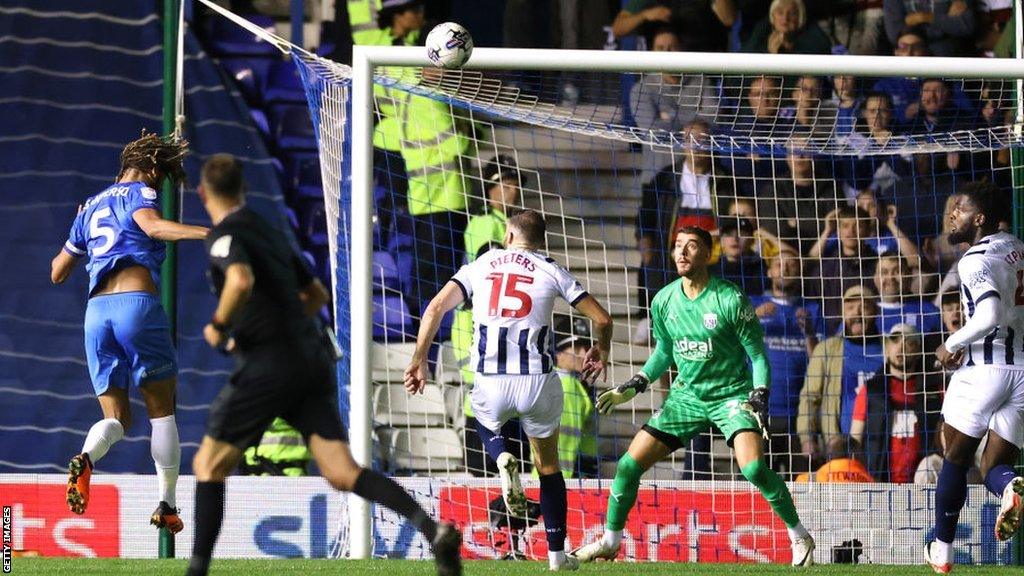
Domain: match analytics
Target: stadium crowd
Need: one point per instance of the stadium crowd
(826, 199)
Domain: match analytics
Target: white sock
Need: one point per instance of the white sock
(166, 452)
(101, 437)
(612, 538)
(796, 532)
(556, 559)
(942, 551)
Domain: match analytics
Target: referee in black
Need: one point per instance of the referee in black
(285, 367)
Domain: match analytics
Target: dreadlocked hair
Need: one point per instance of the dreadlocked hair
(152, 153)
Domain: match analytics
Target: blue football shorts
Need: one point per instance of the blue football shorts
(128, 340)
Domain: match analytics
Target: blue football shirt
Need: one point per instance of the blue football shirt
(106, 232)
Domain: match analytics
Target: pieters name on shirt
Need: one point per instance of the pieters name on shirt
(699, 350)
(510, 257)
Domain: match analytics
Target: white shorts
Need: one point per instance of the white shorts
(982, 398)
(536, 399)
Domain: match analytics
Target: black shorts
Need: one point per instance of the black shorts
(296, 383)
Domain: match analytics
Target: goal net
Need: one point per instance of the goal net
(827, 196)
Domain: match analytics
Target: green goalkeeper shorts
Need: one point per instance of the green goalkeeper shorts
(684, 415)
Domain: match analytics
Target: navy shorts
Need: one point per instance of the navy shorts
(128, 341)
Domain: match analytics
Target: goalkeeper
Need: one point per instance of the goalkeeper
(708, 326)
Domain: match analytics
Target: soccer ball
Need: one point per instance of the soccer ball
(449, 45)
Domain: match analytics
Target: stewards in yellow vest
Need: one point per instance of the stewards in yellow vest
(280, 452)
(500, 193)
(577, 432)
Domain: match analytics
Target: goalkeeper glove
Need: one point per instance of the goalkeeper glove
(622, 393)
(757, 406)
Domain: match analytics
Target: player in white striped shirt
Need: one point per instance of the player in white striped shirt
(986, 393)
(513, 292)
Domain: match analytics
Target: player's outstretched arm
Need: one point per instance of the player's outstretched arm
(61, 266)
(158, 228)
(622, 393)
(447, 299)
(597, 357)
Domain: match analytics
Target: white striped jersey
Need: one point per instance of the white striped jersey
(994, 268)
(513, 293)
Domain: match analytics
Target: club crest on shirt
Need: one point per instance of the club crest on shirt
(710, 320)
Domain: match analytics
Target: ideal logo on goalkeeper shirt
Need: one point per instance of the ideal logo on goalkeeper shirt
(698, 350)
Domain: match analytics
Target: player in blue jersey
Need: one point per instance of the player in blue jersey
(127, 333)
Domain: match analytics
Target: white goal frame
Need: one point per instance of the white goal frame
(366, 58)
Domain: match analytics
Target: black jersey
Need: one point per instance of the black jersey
(274, 312)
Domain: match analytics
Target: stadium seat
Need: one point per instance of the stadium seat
(393, 406)
(385, 274)
(283, 84)
(391, 319)
(447, 370)
(292, 128)
(292, 219)
(229, 39)
(308, 181)
(259, 120)
(434, 450)
(313, 223)
(248, 76)
(389, 361)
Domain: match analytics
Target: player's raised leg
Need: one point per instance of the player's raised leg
(102, 435)
(337, 466)
(749, 451)
(165, 449)
(644, 451)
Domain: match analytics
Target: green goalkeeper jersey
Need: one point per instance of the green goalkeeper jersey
(709, 338)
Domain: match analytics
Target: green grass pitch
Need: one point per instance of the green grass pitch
(90, 567)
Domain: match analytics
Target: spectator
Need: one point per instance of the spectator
(755, 119)
(896, 307)
(766, 244)
(947, 24)
(676, 197)
(842, 466)
(993, 17)
(853, 262)
(884, 236)
(501, 183)
(905, 92)
(889, 417)
(934, 112)
(787, 31)
(792, 208)
(857, 25)
(792, 328)
(705, 25)
(739, 263)
(669, 102)
(952, 313)
(920, 200)
(938, 252)
(809, 114)
(838, 366)
(751, 13)
(280, 451)
(846, 100)
(577, 436)
(871, 170)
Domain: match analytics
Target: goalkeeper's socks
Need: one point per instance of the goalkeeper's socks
(209, 514)
(166, 451)
(101, 437)
(612, 538)
(554, 506)
(950, 495)
(494, 442)
(383, 490)
(773, 489)
(998, 478)
(622, 495)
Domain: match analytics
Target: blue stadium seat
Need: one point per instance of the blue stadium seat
(391, 319)
(292, 218)
(283, 84)
(313, 222)
(308, 181)
(259, 119)
(248, 74)
(386, 277)
(293, 128)
(229, 39)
